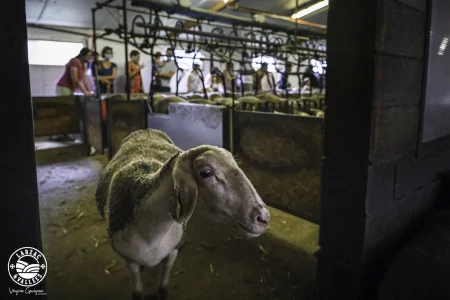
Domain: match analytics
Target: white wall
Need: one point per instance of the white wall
(43, 79)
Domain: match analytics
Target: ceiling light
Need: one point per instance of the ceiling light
(310, 9)
(443, 46)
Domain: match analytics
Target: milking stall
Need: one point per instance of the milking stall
(227, 149)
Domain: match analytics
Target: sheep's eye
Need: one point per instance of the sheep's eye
(205, 173)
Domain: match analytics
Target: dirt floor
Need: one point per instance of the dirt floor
(81, 265)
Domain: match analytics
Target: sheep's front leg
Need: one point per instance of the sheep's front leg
(134, 272)
(163, 284)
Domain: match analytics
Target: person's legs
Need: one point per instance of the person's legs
(62, 91)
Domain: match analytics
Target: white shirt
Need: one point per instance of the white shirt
(169, 66)
(265, 85)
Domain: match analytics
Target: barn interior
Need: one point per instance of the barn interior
(350, 156)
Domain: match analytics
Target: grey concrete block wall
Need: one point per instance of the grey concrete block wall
(374, 184)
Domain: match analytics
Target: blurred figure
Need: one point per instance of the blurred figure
(107, 72)
(228, 74)
(193, 82)
(74, 76)
(134, 69)
(94, 66)
(159, 64)
(284, 81)
(262, 79)
(213, 83)
(306, 88)
(167, 71)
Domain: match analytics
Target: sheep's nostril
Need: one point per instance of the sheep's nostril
(262, 220)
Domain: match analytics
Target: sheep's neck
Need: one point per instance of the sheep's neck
(154, 219)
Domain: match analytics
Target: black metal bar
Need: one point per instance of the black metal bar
(211, 64)
(68, 32)
(127, 71)
(200, 21)
(204, 34)
(151, 91)
(296, 24)
(221, 45)
(178, 81)
(94, 43)
(109, 127)
(205, 14)
(103, 4)
(233, 84)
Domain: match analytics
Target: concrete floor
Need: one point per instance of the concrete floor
(278, 265)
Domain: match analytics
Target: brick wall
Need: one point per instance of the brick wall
(374, 184)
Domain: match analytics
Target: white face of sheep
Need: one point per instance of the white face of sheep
(214, 183)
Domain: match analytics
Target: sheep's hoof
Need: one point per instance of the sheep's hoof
(136, 296)
(162, 295)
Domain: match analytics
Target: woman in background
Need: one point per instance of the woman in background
(74, 78)
(134, 69)
(107, 72)
(193, 81)
(228, 74)
(91, 73)
(159, 64)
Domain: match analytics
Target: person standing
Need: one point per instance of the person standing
(193, 81)
(74, 76)
(284, 81)
(167, 71)
(134, 69)
(92, 72)
(261, 80)
(228, 74)
(107, 73)
(158, 65)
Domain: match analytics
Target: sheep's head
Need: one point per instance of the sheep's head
(209, 177)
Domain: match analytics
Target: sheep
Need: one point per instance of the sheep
(226, 102)
(162, 105)
(213, 97)
(253, 103)
(201, 101)
(274, 102)
(194, 96)
(317, 113)
(299, 113)
(123, 96)
(158, 97)
(149, 191)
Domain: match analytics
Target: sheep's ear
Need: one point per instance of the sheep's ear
(185, 194)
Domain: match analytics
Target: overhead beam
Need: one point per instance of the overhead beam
(275, 16)
(217, 7)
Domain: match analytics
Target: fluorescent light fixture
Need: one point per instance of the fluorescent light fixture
(310, 9)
